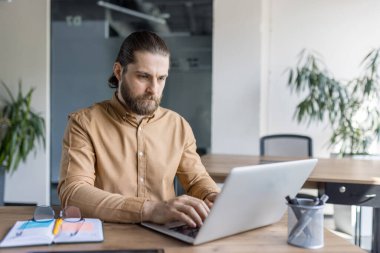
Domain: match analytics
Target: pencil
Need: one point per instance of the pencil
(57, 226)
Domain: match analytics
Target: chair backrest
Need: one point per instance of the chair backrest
(286, 145)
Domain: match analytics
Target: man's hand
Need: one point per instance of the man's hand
(210, 199)
(184, 208)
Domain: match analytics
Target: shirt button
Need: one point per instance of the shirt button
(141, 179)
(141, 153)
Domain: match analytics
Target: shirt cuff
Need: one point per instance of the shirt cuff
(208, 192)
(132, 210)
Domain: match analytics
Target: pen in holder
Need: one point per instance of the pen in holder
(305, 222)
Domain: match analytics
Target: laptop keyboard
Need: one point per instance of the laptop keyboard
(186, 230)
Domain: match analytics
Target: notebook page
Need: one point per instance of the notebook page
(90, 230)
(31, 233)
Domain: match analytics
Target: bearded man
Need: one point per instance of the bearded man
(120, 156)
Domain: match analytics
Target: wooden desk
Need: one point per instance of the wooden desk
(346, 181)
(125, 236)
(333, 170)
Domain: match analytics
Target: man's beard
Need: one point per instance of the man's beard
(145, 104)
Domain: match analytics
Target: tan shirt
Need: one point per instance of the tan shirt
(111, 164)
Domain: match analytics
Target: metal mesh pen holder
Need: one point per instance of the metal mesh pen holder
(305, 224)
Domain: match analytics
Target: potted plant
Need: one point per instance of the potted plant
(352, 107)
(20, 130)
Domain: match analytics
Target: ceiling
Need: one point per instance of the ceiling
(167, 17)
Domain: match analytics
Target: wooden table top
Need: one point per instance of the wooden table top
(128, 236)
(338, 170)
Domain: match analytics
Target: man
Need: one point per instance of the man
(120, 156)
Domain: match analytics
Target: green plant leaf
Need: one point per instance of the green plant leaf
(340, 101)
(26, 129)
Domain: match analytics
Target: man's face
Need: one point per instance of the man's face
(142, 82)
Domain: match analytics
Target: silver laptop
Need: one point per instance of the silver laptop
(252, 197)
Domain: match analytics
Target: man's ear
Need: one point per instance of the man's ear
(117, 70)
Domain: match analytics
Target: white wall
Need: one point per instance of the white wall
(236, 77)
(342, 31)
(25, 55)
(254, 43)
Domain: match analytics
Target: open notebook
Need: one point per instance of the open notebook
(26, 233)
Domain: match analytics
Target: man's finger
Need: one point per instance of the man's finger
(200, 206)
(180, 216)
(191, 213)
(195, 200)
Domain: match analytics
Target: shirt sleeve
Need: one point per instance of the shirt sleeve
(77, 179)
(191, 172)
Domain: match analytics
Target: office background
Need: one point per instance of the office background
(253, 43)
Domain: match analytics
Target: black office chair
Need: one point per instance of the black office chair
(286, 145)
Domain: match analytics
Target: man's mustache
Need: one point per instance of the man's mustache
(149, 97)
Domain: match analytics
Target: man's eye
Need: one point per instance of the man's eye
(162, 78)
(144, 76)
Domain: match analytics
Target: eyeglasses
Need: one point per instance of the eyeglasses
(46, 214)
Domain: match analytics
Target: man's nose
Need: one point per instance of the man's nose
(153, 87)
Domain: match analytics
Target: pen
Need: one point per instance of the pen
(57, 226)
(297, 212)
